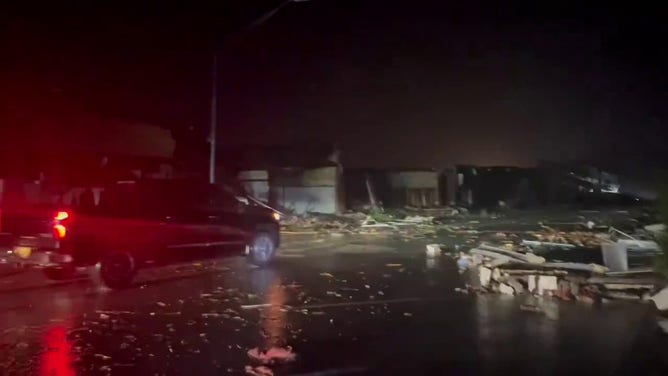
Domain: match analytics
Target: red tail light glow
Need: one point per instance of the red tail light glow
(61, 216)
(59, 229)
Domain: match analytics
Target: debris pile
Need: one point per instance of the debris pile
(569, 238)
(437, 212)
(378, 223)
(319, 223)
(505, 271)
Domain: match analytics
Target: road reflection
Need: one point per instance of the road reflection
(273, 318)
(56, 358)
(533, 334)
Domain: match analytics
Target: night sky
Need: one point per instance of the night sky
(392, 83)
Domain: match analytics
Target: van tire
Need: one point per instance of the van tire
(118, 269)
(262, 248)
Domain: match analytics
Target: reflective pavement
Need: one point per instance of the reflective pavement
(345, 304)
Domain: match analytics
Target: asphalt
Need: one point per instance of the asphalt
(362, 304)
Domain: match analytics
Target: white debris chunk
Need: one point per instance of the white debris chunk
(207, 315)
(433, 250)
(661, 299)
(546, 283)
(656, 229)
(485, 276)
(663, 324)
(496, 274)
(506, 289)
(526, 257)
(258, 371)
(102, 356)
(21, 345)
(532, 283)
(501, 259)
(464, 262)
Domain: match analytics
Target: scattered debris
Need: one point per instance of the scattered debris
(258, 371)
(273, 355)
(616, 254)
(255, 306)
(661, 299)
(517, 286)
(499, 252)
(210, 315)
(541, 284)
(566, 239)
(530, 308)
(102, 356)
(21, 345)
(506, 289)
(656, 229)
(663, 324)
(485, 275)
(537, 243)
(116, 312)
(433, 250)
(564, 291)
(410, 221)
(461, 290)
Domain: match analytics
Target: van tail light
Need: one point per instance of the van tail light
(59, 231)
(61, 216)
(59, 228)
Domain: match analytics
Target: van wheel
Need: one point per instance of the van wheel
(261, 249)
(59, 273)
(118, 270)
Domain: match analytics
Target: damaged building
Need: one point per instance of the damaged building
(546, 184)
(498, 185)
(417, 188)
(394, 188)
(296, 179)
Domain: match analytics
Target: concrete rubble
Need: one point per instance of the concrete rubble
(523, 264)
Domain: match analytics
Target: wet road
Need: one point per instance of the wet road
(345, 304)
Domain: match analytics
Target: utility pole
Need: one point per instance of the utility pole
(214, 88)
(214, 119)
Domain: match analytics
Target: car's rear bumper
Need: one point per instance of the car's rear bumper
(39, 258)
(35, 250)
